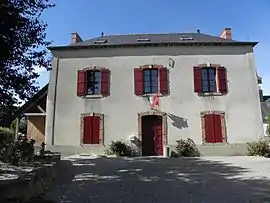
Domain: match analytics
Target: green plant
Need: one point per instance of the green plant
(187, 148)
(260, 148)
(119, 148)
(22, 126)
(18, 152)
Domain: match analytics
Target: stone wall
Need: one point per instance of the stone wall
(31, 185)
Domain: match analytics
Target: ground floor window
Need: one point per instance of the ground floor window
(213, 126)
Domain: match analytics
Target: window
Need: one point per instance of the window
(150, 81)
(210, 80)
(92, 128)
(93, 82)
(213, 124)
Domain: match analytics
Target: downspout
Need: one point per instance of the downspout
(54, 97)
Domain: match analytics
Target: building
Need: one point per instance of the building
(206, 86)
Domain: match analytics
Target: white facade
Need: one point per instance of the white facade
(241, 105)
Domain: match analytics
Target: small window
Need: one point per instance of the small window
(209, 80)
(150, 81)
(93, 82)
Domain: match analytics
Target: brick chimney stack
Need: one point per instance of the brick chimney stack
(75, 38)
(226, 33)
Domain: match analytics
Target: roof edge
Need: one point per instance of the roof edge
(253, 44)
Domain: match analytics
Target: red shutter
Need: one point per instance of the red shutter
(222, 80)
(209, 128)
(105, 82)
(87, 129)
(81, 83)
(138, 81)
(218, 130)
(163, 81)
(197, 78)
(95, 130)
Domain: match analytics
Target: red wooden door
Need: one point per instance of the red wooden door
(152, 144)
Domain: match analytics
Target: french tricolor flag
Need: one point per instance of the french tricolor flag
(154, 101)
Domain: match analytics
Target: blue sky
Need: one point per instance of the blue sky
(249, 20)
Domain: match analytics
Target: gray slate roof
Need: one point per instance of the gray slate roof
(154, 39)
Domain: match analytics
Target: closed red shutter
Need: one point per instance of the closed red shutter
(87, 129)
(218, 130)
(95, 130)
(197, 78)
(81, 83)
(105, 82)
(222, 80)
(138, 81)
(163, 81)
(209, 128)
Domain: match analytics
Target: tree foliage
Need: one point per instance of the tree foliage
(22, 42)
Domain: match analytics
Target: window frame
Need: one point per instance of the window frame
(223, 127)
(151, 86)
(208, 80)
(87, 71)
(101, 130)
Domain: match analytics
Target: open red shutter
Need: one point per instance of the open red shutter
(80, 83)
(163, 81)
(197, 78)
(218, 130)
(209, 128)
(95, 130)
(105, 82)
(87, 129)
(222, 80)
(138, 81)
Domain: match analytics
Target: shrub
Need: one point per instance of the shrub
(260, 148)
(6, 135)
(119, 148)
(187, 148)
(19, 152)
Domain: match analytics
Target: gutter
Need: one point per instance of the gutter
(94, 46)
(54, 98)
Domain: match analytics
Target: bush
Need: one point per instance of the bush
(187, 148)
(17, 153)
(119, 148)
(6, 135)
(260, 148)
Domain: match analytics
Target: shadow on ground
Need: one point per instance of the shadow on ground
(156, 180)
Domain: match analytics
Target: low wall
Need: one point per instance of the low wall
(32, 184)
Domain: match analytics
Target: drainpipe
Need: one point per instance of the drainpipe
(54, 97)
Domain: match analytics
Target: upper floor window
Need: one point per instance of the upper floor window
(93, 82)
(151, 79)
(211, 79)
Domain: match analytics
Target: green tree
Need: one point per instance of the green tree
(22, 42)
(22, 126)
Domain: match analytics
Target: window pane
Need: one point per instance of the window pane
(211, 73)
(146, 72)
(97, 75)
(147, 89)
(154, 73)
(146, 78)
(147, 84)
(212, 86)
(204, 73)
(154, 89)
(205, 86)
(97, 88)
(154, 83)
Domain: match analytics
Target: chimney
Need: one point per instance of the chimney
(75, 38)
(226, 33)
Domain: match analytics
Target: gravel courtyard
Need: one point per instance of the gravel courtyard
(162, 180)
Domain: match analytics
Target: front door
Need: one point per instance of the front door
(152, 136)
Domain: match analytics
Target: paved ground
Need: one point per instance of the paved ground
(160, 180)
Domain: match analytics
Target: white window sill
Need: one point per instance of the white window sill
(152, 94)
(211, 94)
(215, 144)
(92, 145)
(93, 96)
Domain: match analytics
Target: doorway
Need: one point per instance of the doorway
(152, 143)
